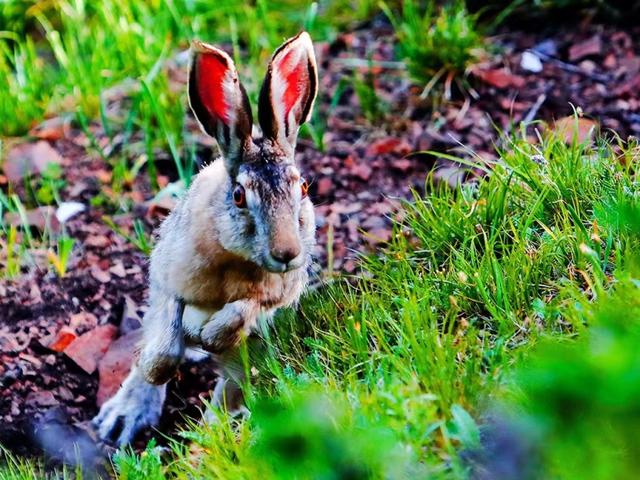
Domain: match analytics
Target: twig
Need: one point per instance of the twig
(598, 77)
(361, 63)
(531, 114)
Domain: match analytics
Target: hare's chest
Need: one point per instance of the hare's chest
(213, 287)
(214, 291)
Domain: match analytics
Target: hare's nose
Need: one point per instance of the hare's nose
(286, 254)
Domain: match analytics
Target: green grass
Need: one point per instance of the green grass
(389, 375)
(437, 42)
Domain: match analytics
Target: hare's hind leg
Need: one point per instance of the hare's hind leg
(227, 396)
(138, 404)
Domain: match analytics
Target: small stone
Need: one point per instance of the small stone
(41, 398)
(83, 321)
(100, 275)
(130, 319)
(588, 66)
(592, 46)
(530, 62)
(118, 270)
(68, 210)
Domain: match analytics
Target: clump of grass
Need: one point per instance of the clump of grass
(472, 280)
(437, 43)
(13, 467)
(575, 403)
(138, 238)
(365, 87)
(147, 465)
(25, 82)
(59, 259)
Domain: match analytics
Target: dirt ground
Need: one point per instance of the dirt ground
(356, 184)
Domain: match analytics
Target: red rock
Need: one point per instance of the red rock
(325, 186)
(402, 164)
(500, 78)
(60, 340)
(116, 364)
(389, 145)
(582, 128)
(51, 129)
(29, 158)
(362, 171)
(593, 46)
(88, 349)
(41, 218)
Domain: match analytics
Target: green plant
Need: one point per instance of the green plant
(60, 258)
(139, 238)
(575, 402)
(13, 467)
(11, 259)
(146, 466)
(25, 82)
(437, 43)
(49, 185)
(370, 103)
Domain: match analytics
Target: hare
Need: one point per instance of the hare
(238, 246)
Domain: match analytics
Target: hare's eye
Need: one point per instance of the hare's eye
(239, 197)
(304, 187)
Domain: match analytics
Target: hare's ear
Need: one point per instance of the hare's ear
(219, 101)
(289, 90)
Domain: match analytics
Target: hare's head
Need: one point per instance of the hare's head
(272, 218)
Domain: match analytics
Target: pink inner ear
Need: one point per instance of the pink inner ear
(295, 76)
(211, 72)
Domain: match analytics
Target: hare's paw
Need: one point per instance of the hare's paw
(223, 331)
(137, 405)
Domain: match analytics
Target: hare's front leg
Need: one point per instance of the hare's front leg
(138, 403)
(163, 339)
